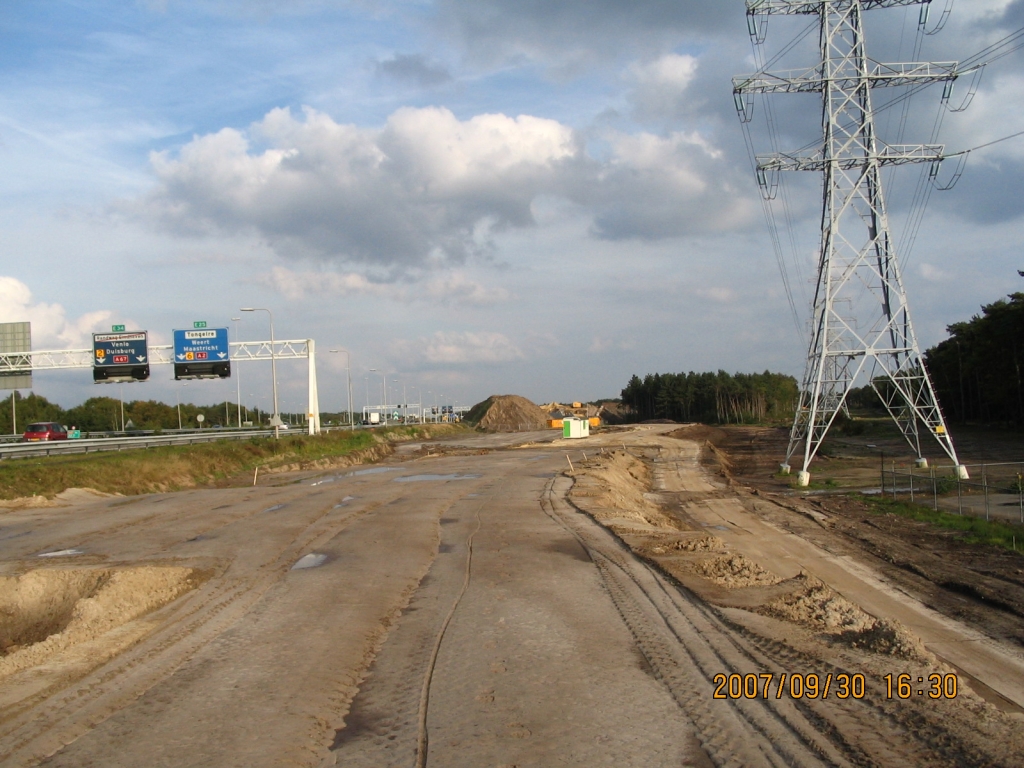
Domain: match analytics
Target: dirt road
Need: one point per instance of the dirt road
(465, 604)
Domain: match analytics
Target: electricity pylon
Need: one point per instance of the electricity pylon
(860, 312)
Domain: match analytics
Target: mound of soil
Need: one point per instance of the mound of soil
(507, 413)
(698, 543)
(736, 571)
(48, 610)
(815, 605)
(889, 638)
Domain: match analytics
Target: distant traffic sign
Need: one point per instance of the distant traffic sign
(120, 356)
(199, 324)
(117, 328)
(201, 354)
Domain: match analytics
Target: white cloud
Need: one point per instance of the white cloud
(602, 345)
(932, 274)
(719, 294)
(426, 186)
(453, 287)
(457, 348)
(430, 190)
(655, 187)
(51, 328)
(659, 86)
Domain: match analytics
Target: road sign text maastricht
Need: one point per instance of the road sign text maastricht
(201, 354)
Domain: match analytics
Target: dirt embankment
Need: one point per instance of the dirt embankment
(978, 584)
(47, 611)
(44, 482)
(507, 413)
(800, 617)
(613, 488)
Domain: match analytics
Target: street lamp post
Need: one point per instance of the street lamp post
(275, 422)
(384, 390)
(348, 377)
(238, 378)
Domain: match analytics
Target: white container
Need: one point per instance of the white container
(575, 429)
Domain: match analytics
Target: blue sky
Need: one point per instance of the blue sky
(476, 197)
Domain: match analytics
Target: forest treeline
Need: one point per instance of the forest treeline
(712, 398)
(100, 414)
(978, 375)
(978, 372)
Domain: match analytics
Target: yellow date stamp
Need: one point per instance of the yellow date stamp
(839, 685)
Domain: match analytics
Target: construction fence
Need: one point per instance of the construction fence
(994, 491)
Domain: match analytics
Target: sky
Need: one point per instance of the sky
(471, 197)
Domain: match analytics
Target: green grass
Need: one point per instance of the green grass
(974, 530)
(827, 484)
(169, 468)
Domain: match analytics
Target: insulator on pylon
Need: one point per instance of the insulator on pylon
(922, 20)
(744, 106)
(757, 27)
(972, 90)
(933, 173)
(768, 181)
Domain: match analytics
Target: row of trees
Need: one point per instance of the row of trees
(978, 375)
(98, 414)
(712, 398)
(977, 371)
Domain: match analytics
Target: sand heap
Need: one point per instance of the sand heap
(507, 413)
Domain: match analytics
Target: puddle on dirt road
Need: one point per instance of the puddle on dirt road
(433, 478)
(354, 473)
(62, 553)
(312, 560)
(344, 502)
(370, 471)
(274, 508)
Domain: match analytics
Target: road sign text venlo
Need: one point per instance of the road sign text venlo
(120, 356)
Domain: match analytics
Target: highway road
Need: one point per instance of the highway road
(451, 607)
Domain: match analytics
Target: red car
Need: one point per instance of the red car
(45, 430)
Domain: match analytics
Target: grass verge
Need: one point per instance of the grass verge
(172, 468)
(974, 530)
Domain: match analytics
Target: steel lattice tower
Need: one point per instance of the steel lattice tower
(861, 321)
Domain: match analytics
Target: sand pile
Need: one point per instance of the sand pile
(613, 487)
(697, 543)
(815, 605)
(46, 611)
(507, 413)
(889, 638)
(736, 571)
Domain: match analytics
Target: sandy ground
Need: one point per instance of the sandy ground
(472, 602)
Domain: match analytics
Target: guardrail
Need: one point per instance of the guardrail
(92, 445)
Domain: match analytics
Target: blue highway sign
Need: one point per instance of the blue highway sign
(120, 356)
(201, 353)
(110, 349)
(207, 345)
